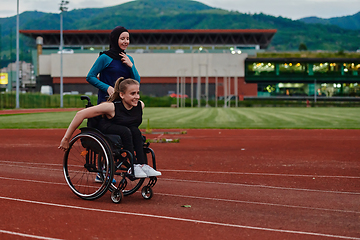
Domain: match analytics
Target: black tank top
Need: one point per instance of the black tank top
(127, 118)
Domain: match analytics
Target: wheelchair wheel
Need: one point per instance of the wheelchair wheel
(147, 192)
(116, 196)
(88, 166)
(123, 168)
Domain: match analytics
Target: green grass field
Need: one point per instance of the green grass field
(187, 118)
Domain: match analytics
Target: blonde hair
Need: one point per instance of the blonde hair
(121, 85)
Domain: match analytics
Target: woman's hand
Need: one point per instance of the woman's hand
(106, 108)
(64, 144)
(110, 91)
(126, 60)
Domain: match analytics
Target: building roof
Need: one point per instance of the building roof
(302, 60)
(187, 37)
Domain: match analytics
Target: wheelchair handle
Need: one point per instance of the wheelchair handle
(84, 97)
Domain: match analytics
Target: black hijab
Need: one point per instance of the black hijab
(114, 45)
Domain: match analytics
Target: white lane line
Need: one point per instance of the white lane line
(234, 184)
(180, 219)
(32, 145)
(30, 163)
(29, 167)
(260, 203)
(35, 181)
(27, 235)
(219, 183)
(212, 199)
(260, 174)
(206, 172)
(261, 186)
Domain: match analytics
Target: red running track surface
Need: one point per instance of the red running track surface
(240, 184)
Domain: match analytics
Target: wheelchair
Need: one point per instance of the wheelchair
(97, 162)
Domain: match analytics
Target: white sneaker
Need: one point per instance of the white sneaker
(139, 173)
(149, 171)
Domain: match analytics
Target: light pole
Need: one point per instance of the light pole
(17, 57)
(62, 9)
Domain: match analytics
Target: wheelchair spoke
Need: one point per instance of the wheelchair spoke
(123, 169)
(87, 167)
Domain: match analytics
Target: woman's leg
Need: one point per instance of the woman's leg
(139, 149)
(132, 140)
(127, 141)
(123, 132)
(138, 145)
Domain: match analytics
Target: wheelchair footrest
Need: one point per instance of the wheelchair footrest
(152, 182)
(122, 184)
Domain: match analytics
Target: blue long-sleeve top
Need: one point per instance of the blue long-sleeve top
(110, 70)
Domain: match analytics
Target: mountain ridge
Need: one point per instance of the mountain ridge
(351, 22)
(182, 14)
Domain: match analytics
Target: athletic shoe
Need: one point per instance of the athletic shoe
(150, 172)
(139, 173)
(98, 179)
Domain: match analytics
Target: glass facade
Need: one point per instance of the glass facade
(308, 89)
(310, 69)
(304, 77)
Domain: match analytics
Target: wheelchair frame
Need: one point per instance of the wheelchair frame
(94, 155)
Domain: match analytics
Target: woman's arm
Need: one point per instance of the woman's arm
(106, 108)
(134, 73)
(100, 64)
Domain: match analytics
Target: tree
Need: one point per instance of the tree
(302, 47)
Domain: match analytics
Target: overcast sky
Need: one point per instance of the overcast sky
(293, 9)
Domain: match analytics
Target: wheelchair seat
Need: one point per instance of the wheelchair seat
(115, 140)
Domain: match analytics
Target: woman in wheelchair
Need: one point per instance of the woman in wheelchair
(122, 115)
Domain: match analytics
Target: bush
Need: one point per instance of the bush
(37, 100)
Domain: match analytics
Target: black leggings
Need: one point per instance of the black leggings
(131, 138)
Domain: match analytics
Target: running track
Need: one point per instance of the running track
(240, 184)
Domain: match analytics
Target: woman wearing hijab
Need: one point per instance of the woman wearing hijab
(113, 64)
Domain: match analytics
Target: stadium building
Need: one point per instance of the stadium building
(197, 63)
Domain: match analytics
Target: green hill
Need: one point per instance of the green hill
(347, 22)
(178, 14)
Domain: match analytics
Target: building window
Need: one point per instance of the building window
(261, 68)
(293, 68)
